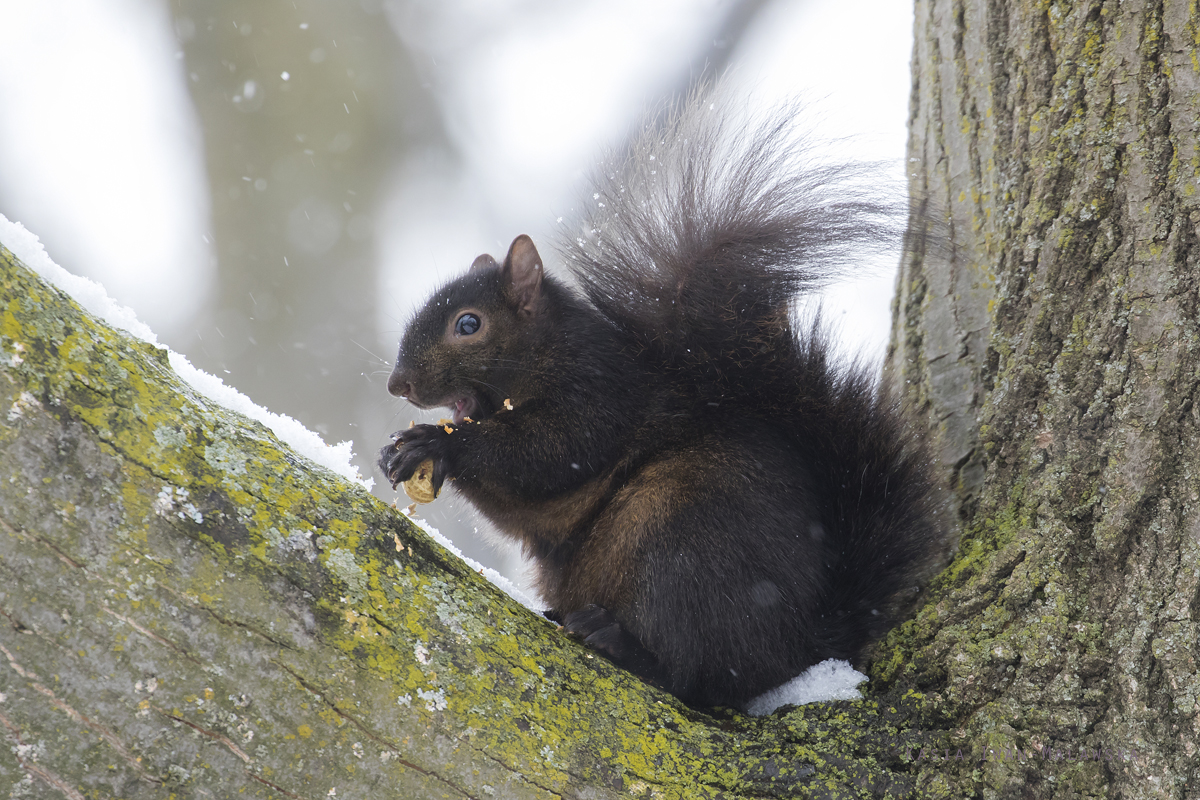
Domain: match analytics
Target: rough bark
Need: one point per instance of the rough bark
(1052, 342)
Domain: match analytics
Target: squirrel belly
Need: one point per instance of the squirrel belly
(710, 499)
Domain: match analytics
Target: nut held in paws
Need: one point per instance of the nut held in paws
(420, 486)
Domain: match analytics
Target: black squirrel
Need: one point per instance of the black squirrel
(709, 499)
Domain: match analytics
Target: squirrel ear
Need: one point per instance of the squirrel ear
(522, 272)
(482, 262)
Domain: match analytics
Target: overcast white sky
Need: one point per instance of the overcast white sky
(101, 154)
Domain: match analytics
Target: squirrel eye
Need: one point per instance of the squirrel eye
(467, 324)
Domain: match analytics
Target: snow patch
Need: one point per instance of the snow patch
(494, 577)
(93, 297)
(829, 680)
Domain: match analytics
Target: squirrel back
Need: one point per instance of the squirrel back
(711, 501)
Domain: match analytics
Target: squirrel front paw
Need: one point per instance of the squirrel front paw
(410, 448)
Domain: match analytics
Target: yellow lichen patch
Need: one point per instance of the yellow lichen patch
(362, 625)
(331, 717)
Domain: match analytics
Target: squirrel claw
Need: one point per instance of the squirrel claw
(588, 620)
(412, 447)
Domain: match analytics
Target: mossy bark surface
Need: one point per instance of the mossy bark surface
(191, 608)
(1052, 343)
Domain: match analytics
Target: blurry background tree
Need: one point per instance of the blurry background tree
(273, 186)
(306, 107)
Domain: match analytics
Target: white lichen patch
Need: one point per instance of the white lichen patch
(301, 542)
(298, 541)
(166, 436)
(551, 758)
(226, 458)
(170, 498)
(22, 404)
(450, 616)
(30, 752)
(164, 503)
(342, 564)
(448, 611)
(434, 700)
(16, 359)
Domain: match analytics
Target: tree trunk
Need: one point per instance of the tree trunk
(1052, 341)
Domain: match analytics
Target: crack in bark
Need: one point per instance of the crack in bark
(24, 534)
(276, 787)
(508, 768)
(225, 740)
(91, 574)
(184, 599)
(60, 704)
(45, 775)
(151, 635)
(194, 604)
(379, 740)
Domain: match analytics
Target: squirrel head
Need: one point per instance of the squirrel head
(468, 348)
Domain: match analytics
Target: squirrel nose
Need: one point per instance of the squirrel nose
(397, 386)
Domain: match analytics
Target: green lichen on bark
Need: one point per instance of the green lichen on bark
(190, 606)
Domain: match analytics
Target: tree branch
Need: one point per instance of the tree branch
(191, 606)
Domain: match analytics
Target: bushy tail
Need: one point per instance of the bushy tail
(695, 244)
(697, 238)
